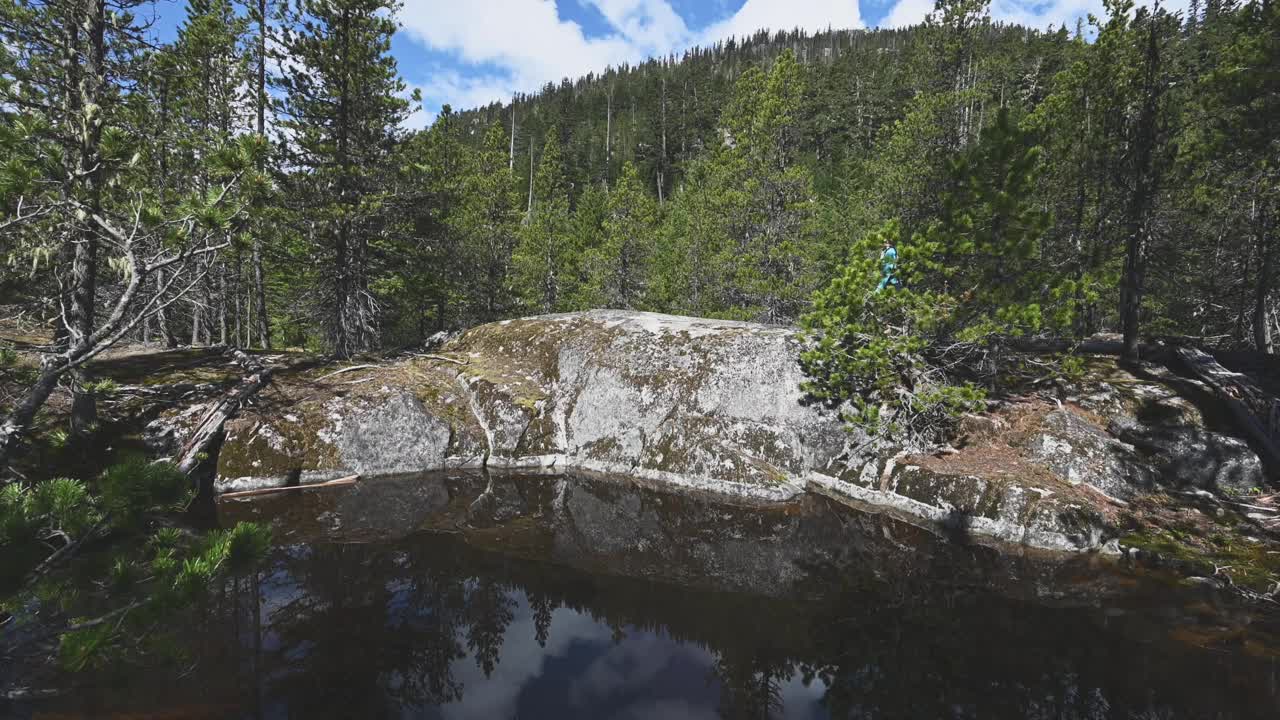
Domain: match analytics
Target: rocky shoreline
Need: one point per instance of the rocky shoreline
(716, 406)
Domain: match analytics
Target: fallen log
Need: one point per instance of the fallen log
(210, 426)
(349, 480)
(1088, 346)
(1257, 411)
(346, 370)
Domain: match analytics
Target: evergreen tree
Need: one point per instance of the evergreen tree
(82, 197)
(544, 259)
(207, 106)
(341, 113)
(620, 267)
(1231, 156)
(486, 217)
(974, 277)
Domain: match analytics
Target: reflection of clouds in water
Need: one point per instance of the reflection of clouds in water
(633, 667)
(630, 666)
(667, 710)
(799, 701)
(520, 661)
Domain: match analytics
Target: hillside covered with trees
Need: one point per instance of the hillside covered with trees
(251, 184)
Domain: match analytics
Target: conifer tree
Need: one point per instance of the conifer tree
(747, 215)
(207, 107)
(80, 196)
(620, 267)
(487, 218)
(341, 113)
(543, 258)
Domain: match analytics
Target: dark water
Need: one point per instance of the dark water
(469, 596)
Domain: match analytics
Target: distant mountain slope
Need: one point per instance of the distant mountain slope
(662, 112)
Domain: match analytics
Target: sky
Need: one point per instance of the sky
(467, 53)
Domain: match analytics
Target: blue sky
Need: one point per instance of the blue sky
(470, 52)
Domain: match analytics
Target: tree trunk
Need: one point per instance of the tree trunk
(1137, 221)
(84, 272)
(162, 318)
(195, 323)
(19, 420)
(208, 430)
(222, 305)
(259, 288)
(1261, 327)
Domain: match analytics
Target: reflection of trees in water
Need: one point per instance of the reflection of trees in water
(542, 606)
(364, 634)
(751, 684)
(893, 629)
(489, 612)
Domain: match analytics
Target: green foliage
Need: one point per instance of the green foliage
(102, 387)
(246, 545)
(342, 144)
(55, 505)
(64, 504)
(740, 240)
(81, 650)
(544, 259)
(122, 575)
(618, 268)
(135, 490)
(17, 521)
(234, 550)
(984, 256)
(974, 276)
(868, 356)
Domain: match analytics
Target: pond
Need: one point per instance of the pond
(473, 595)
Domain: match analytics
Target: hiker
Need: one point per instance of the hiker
(888, 267)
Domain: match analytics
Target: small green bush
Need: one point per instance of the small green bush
(82, 649)
(64, 504)
(135, 489)
(16, 520)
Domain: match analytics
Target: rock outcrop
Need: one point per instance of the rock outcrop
(702, 403)
(717, 405)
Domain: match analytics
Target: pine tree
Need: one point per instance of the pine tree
(341, 113)
(1231, 156)
(486, 217)
(80, 192)
(543, 258)
(207, 105)
(745, 215)
(619, 268)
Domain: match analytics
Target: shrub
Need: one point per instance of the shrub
(136, 489)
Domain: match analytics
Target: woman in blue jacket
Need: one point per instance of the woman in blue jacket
(888, 267)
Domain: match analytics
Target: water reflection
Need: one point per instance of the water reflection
(481, 597)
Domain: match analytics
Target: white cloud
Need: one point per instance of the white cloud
(521, 45)
(811, 15)
(651, 25)
(907, 12)
(1031, 13)
(525, 39)
(520, 662)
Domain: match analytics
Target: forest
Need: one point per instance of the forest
(252, 185)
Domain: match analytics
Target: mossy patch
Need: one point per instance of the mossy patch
(1207, 542)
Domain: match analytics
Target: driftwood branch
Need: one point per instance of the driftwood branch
(210, 426)
(429, 356)
(350, 480)
(346, 370)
